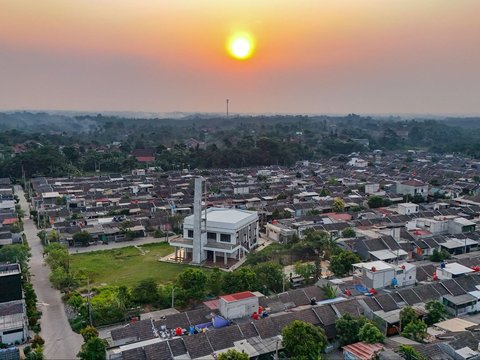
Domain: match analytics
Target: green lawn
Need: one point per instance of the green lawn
(127, 266)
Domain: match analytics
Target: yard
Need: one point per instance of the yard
(127, 266)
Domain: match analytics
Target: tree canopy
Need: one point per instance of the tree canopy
(303, 340)
(341, 264)
(93, 349)
(233, 354)
(415, 330)
(193, 282)
(407, 315)
(435, 312)
(348, 328)
(370, 333)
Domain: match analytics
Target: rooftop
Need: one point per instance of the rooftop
(378, 265)
(457, 269)
(238, 296)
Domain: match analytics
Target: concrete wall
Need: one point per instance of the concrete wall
(238, 309)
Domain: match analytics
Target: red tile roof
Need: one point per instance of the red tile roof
(414, 183)
(363, 351)
(340, 217)
(237, 296)
(9, 221)
(145, 158)
(212, 304)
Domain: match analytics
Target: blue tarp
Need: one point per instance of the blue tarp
(219, 322)
(361, 288)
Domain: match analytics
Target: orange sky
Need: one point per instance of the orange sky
(312, 56)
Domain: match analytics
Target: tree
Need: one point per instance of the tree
(370, 333)
(89, 332)
(348, 233)
(37, 341)
(322, 244)
(242, 279)
(435, 312)
(16, 227)
(57, 256)
(61, 200)
(15, 253)
(348, 328)
(306, 271)
(416, 330)
(124, 297)
(53, 236)
(341, 264)
(215, 279)
(93, 349)
(338, 205)
(439, 256)
(71, 153)
(145, 292)
(409, 353)
(269, 275)
(313, 340)
(193, 282)
(375, 201)
(330, 291)
(82, 237)
(233, 354)
(407, 315)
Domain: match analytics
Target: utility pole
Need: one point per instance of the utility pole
(24, 180)
(89, 304)
(228, 100)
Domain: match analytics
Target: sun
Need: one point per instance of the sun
(241, 46)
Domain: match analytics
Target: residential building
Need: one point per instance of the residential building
(379, 274)
(238, 305)
(13, 322)
(412, 188)
(407, 208)
(10, 282)
(230, 234)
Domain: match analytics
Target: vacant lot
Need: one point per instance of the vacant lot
(127, 266)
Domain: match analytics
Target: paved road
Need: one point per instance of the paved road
(117, 245)
(60, 341)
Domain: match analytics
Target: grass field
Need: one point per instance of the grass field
(127, 266)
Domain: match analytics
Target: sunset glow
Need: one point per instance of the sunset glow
(241, 46)
(303, 56)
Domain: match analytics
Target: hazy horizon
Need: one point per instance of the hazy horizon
(374, 57)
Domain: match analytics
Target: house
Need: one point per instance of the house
(407, 208)
(195, 144)
(379, 274)
(451, 271)
(13, 322)
(279, 232)
(10, 282)
(461, 225)
(13, 314)
(144, 155)
(412, 188)
(230, 233)
(374, 189)
(460, 304)
(356, 162)
(238, 305)
(361, 351)
(433, 226)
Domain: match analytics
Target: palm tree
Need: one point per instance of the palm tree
(330, 291)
